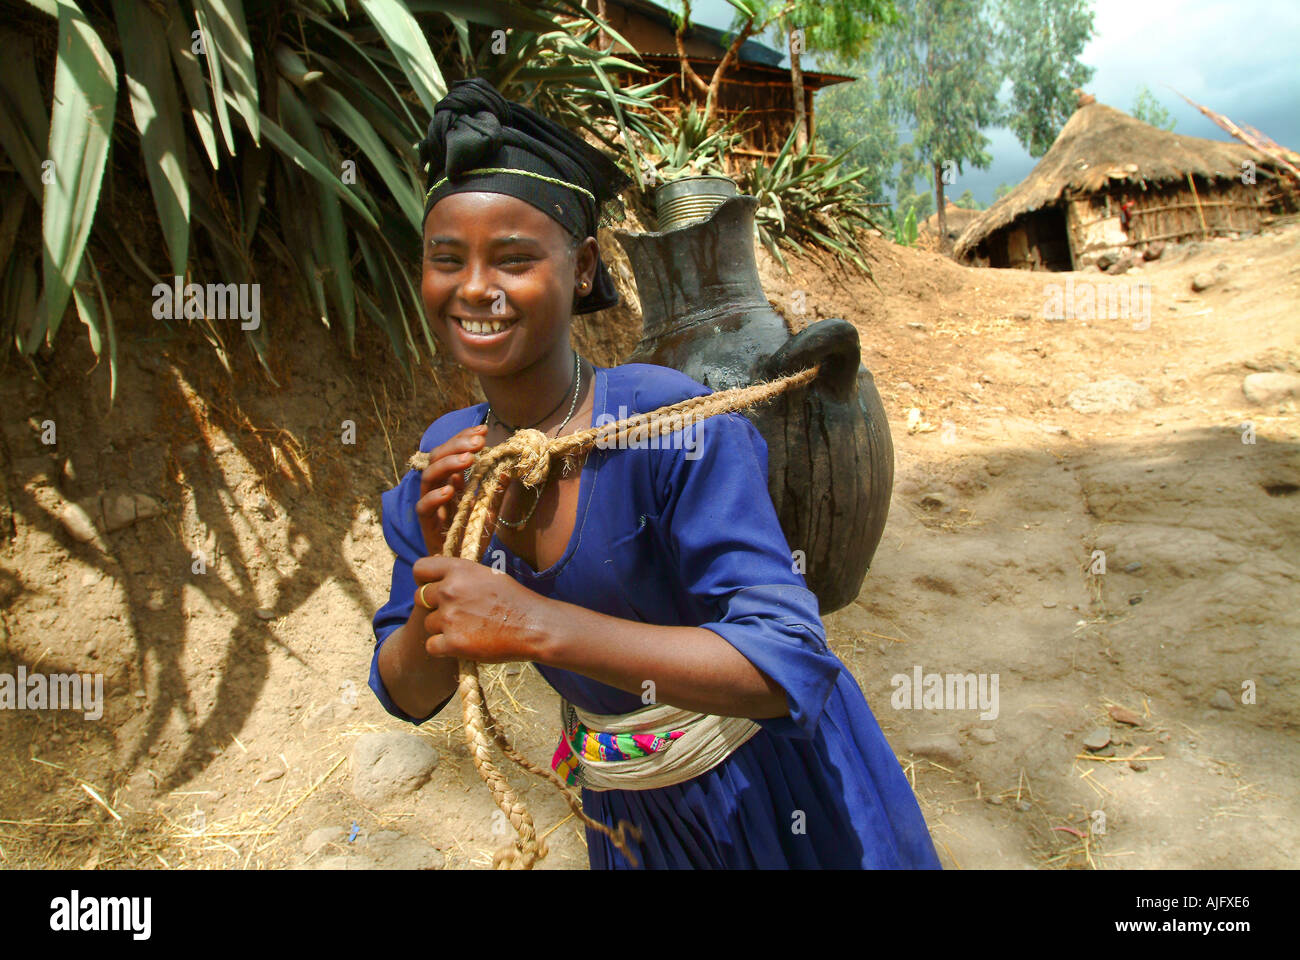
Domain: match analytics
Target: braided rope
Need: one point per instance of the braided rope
(528, 456)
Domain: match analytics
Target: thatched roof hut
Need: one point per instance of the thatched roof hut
(957, 219)
(1111, 183)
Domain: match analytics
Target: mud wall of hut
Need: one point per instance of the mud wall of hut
(1171, 212)
(1036, 240)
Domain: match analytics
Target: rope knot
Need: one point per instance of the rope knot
(526, 457)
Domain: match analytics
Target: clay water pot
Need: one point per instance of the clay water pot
(830, 455)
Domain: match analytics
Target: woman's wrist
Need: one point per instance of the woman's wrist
(416, 682)
(549, 631)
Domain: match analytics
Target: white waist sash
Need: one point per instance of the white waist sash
(706, 742)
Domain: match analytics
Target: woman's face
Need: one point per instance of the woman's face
(500, 279)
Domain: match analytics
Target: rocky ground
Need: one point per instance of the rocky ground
(212, 547)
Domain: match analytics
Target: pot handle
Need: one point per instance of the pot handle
(832, 343)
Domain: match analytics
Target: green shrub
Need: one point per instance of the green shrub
(270, 134)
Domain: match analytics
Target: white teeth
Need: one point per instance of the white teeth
(483, 326)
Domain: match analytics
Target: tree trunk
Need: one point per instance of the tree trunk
(748, 29)
(731, 56)
(688, 72)
(796, 78)
(939, 204)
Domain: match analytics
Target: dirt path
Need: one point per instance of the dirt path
(235, 697)
(987, 562)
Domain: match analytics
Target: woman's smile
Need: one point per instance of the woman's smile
(483, 332)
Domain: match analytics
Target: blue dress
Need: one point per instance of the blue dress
(689, 537)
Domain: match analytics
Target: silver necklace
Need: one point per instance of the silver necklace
(573, 404)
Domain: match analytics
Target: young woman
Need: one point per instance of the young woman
(655, 577)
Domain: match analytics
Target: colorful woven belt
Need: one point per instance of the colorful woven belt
(579, 743)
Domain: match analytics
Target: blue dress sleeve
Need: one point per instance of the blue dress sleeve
(734, 559)
(402, 532)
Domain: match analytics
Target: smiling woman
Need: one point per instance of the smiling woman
(500, 277)
(653, 589)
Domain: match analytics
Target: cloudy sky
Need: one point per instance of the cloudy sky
(1240, 59)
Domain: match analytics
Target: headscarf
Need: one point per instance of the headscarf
(479, 141)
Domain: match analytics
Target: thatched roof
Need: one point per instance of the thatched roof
(1100, 144)
(958, 218)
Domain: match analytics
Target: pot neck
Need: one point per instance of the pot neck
(695, 273)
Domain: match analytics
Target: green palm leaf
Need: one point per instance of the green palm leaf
(85, 92)
(490, 13)
(332, 235)
(89, 296)
(361, 131)
(405, 38)
(157, 112)
(24, 118)
(352, 46)
(213, 63)
(225, 30)
(295, 152)
(191, 74)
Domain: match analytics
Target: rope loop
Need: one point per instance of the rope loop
(528, 456)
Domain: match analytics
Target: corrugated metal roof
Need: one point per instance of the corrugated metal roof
(751, 51)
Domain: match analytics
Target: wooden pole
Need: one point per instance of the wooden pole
(1205, 231)
(1258, 141)
(1152, 239)
(1234, 204)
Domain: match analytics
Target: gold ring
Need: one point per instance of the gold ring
(420, 593)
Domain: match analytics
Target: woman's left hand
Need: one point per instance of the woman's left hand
(478, 613)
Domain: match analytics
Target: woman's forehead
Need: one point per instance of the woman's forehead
(484, 212)
(482, 205)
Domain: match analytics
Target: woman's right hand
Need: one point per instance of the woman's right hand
(442, 483)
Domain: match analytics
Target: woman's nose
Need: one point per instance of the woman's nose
(477, 287)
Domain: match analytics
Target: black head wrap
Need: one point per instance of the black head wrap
(479, 141)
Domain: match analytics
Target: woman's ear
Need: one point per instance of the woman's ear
(586, 256)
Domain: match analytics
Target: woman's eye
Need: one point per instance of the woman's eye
(509, 261)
